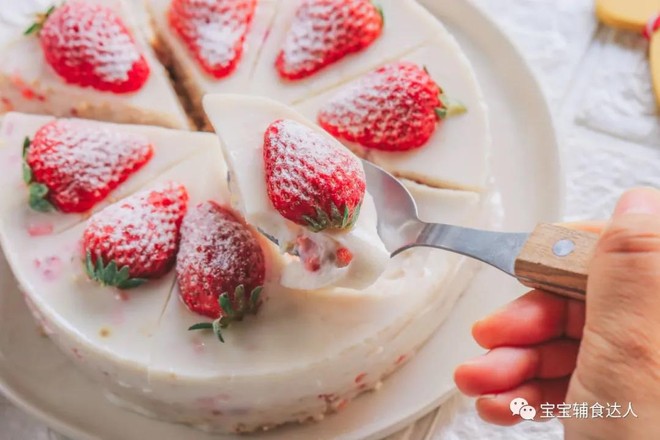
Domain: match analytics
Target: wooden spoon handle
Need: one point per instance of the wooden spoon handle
(556, 259)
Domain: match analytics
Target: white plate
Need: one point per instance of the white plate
(42, 381)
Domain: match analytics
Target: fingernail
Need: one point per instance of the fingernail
(488, 397)
(639, 201)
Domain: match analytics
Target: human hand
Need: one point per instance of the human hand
(546, 348)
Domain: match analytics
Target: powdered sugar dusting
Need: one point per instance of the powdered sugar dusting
(83, 37)
(84, 160)
(218, 252)
(306, 167)
(392, 108)
(324, 31)
(141, 232)
(213, 30)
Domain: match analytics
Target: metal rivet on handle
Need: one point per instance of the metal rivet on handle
(563, 248)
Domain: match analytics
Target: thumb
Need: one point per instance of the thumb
(622, 326)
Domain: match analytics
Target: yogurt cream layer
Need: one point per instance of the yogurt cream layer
(170, 147)
(241, 123)
(29, 84)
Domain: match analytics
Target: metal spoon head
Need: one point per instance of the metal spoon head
(398, 224)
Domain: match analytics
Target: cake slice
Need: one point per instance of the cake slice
(115, 78)
(422, 117)
(310, 30)
(97, 144)
(296, 184)
(212, 46)
(108, 328)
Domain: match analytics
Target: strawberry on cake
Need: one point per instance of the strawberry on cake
(421, 117)
(82, 58)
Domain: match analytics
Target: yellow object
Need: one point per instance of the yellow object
(630, 15)
(636, 16)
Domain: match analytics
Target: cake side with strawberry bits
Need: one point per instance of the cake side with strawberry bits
(83, 58)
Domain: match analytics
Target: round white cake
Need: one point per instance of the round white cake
(316, 338)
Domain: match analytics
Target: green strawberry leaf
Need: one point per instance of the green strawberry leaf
(226, 305)
(37, 198)
(255, 299)
(34, 27)
(312, 224)
(110, 275)
(201, 326)
(449, 107)
(27, 173)
(215, 326)
(26, 146)
(131, 283)
(230, 312)
(39, 23)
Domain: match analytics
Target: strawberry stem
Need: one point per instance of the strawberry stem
(39, 22)
(232, 312)
(336, 220)
(449, 107)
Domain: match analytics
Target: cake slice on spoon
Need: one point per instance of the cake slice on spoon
(301, 188)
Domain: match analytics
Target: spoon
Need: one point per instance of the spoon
(550, 258)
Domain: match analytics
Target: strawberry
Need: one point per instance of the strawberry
(213, 30)
(343, 257)
(72, 165)
(135, 239)
(89, 45)
(220, 267)
(312, 180)
(395, 108)
(324, 31)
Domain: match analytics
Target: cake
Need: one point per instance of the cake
(30, 83)
(181, 270)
